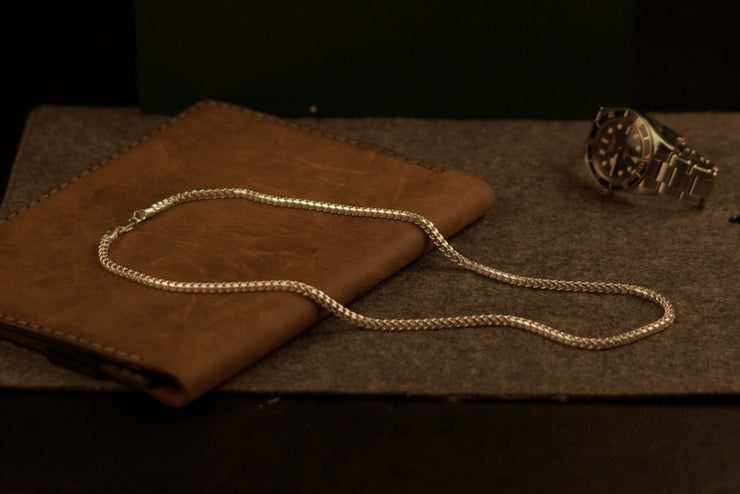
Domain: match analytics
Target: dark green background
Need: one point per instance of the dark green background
(415, 58)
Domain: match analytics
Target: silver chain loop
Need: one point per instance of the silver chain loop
(327, 302)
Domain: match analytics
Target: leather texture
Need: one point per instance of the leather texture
(58, 299)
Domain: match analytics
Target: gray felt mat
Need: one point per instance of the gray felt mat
(551, 220)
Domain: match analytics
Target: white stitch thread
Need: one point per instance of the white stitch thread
(56, 332)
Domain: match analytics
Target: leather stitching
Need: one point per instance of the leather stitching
(76, 339)
(194, 108)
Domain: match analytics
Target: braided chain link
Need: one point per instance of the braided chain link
(381, 324)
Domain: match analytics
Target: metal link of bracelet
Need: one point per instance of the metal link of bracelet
(687, 176)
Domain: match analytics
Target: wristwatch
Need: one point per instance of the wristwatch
(627, 150)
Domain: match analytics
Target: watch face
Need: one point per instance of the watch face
(619, 148)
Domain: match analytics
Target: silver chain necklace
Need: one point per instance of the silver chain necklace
(324, 300)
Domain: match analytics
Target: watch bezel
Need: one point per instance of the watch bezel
(642, 125)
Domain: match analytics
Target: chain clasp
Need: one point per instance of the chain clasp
(128, 225)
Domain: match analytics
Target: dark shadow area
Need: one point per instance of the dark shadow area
(121, 442)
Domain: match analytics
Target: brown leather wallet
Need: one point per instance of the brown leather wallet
(57, 298)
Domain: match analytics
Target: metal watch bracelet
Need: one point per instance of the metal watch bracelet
(683, 173)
